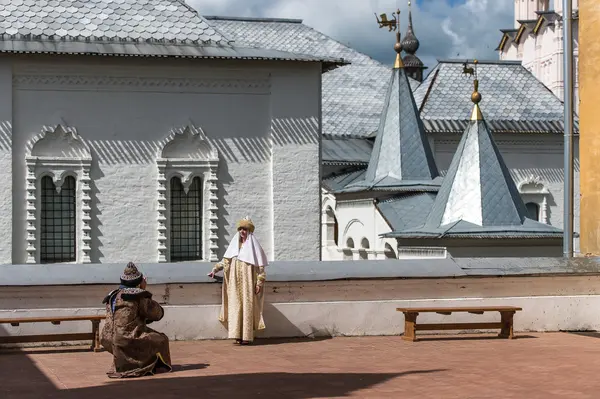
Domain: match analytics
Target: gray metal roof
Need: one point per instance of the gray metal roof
(401, 155)
(170, 21)
(338, 181)
(478, 197)
(346, 151)
(514, 100)
(353, 95)
(143, 28)
(406, 211)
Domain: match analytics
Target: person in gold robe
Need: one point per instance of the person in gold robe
(243, 267)
(137, 349)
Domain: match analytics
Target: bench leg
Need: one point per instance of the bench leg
(96, 347)
(507, 325)
(410, 322)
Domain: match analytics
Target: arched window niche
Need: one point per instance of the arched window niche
(331, 227)
(389, 252)
(536, 198)
(188, 197)
(58, 201)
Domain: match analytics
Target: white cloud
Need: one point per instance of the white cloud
(466, 30)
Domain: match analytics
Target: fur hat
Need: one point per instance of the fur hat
(131, 276)
(246, 223)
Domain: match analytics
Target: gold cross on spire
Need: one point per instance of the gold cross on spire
(393, 25)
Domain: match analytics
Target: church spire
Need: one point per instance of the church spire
(414, 66)
(402, 159)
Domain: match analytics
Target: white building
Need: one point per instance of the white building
(525, 118)
(536, 39)
(134, 130)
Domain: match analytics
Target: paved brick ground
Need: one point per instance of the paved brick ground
(547, 366)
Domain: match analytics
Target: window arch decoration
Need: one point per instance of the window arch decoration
(187, 154)
(532, 190)
(58, 152)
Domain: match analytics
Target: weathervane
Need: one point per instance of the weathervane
(393, 25)
(475, 96)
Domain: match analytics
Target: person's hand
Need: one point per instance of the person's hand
(258, 289)
(211, 275)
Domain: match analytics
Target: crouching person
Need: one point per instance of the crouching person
(137, 349)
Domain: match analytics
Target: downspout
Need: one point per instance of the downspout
(567, 17)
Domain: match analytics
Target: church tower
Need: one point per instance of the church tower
(412, 64)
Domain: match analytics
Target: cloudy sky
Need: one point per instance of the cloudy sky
(445, 28)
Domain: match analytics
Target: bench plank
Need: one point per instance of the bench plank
(458, 326)
(15, 339)
(461, 309)
(51, 319)
(94, 336)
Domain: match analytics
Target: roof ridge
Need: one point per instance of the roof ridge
(462, 61)
(253, 19)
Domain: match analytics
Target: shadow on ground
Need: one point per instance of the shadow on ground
(279, 341)
(469, 338)
(23, 380)
(263, 385)
(591, 334)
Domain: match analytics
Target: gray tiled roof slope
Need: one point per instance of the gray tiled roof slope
(139, 28)
(478, 196)
(401, 156)
(106, 20)
(353, 95)
(354, 151)
(338, 181)
(406, 211)
(513, 99)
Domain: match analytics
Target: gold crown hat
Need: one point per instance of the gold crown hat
(246, 223)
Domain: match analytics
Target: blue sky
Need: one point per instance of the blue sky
(445, 28)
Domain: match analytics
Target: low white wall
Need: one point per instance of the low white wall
(348, 318)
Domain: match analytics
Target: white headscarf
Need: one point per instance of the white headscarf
(251, 252)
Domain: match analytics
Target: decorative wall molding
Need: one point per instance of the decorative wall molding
(131, 83)
(533, 190)
(186, 153)
(58, 151)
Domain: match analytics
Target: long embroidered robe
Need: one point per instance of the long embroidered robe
(137, 349)
(242, 309)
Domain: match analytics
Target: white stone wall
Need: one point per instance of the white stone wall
(339, 318)
(6, 161)
(542, 54)
(360, 225)
(125, 110)
(296, 165)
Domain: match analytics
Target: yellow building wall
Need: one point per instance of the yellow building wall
(589, 122)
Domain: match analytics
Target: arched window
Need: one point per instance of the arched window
(57, 221)
(364, 246)
(331, 226)
(349, 242)
(389, 252)
(186, 220)
(533, 211)
(364, 243)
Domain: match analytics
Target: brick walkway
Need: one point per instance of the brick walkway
(534, 366)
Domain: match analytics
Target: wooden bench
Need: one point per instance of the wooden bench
(94, 336)
(505, 324)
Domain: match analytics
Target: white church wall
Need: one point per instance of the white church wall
(6, 161)
(360, 225)
(125, 110)
(533, 162)
(296, 163)
(542, 53)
